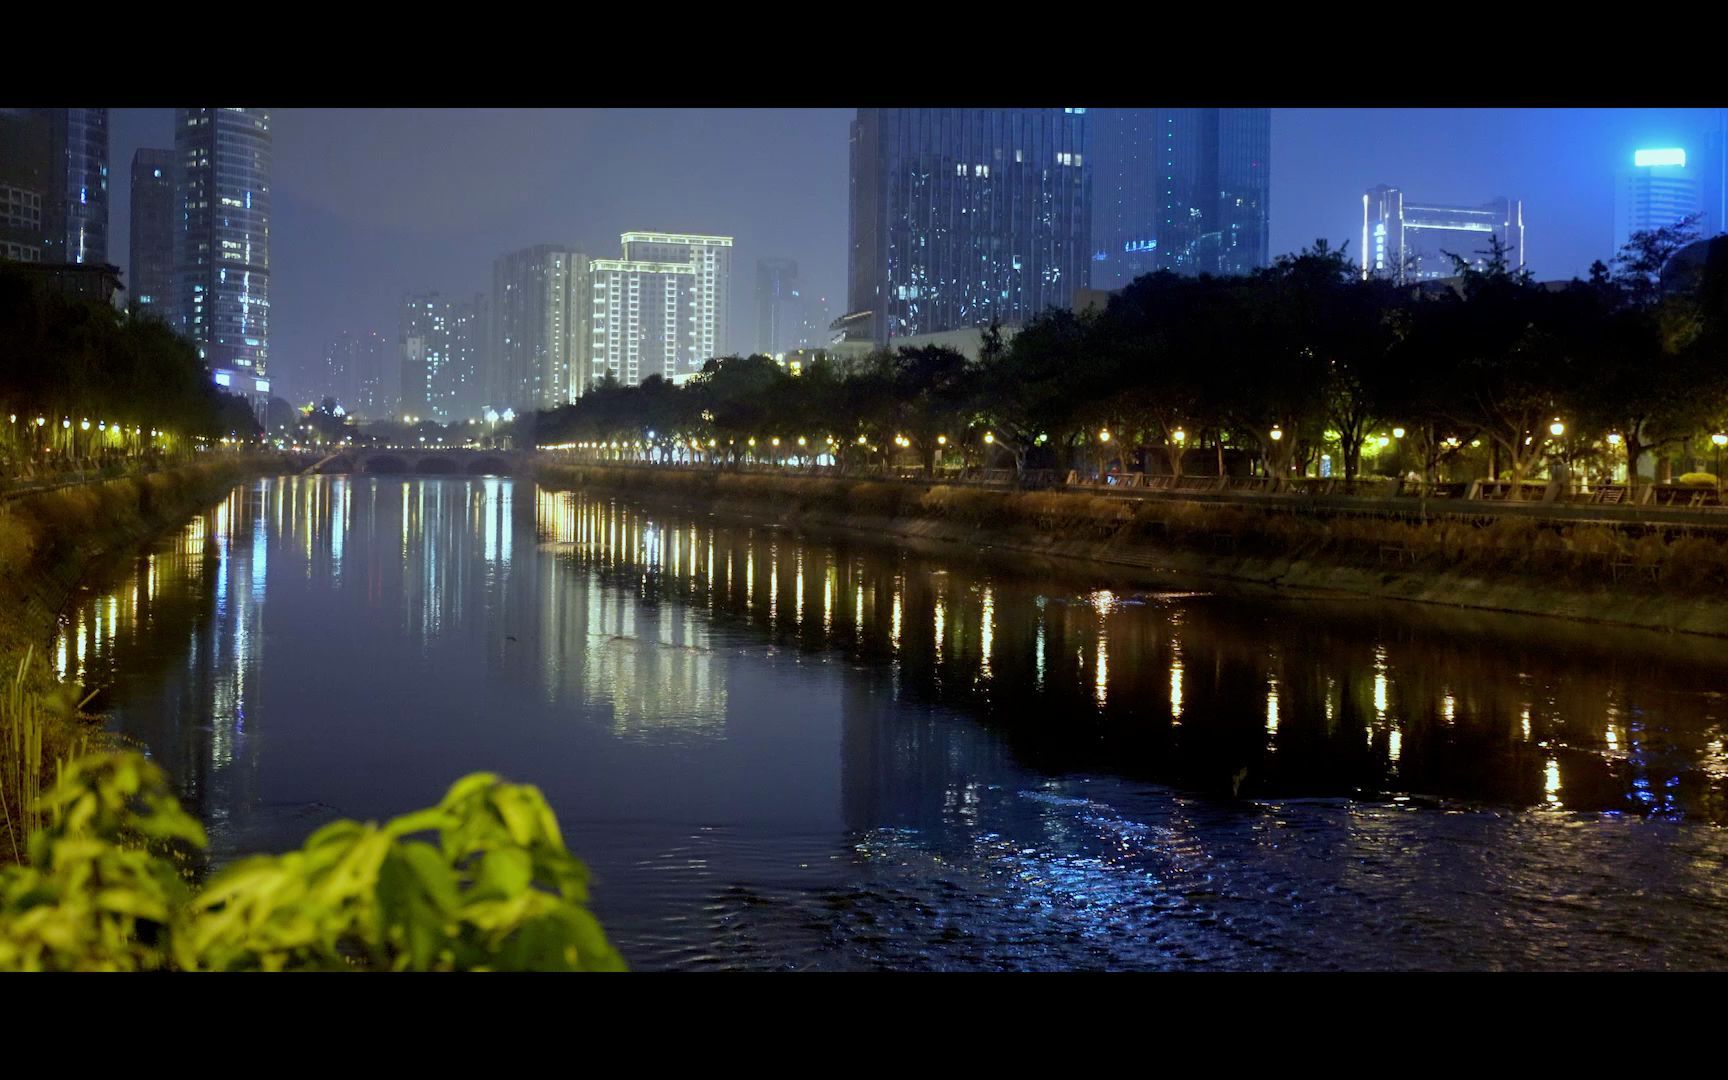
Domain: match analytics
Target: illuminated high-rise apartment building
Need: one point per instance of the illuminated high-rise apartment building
(705, 324)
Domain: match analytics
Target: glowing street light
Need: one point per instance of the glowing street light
(1180, 436)
(1613, 438)
(1104, 435)
(1397, 433)
(989, 437)
(941, 440)
(1277, 433)
(1556, 429)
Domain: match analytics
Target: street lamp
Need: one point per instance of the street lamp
(1720, 440)
(1180, 436)
(1104, 435)
(1397, 433)
(1556, 429)
(1277, 433)
(989, 437)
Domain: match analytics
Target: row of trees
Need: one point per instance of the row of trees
(68, 361)
(1302, 358)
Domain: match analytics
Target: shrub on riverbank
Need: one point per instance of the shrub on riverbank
(482, 881)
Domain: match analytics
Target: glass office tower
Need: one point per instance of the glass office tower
(222, 248)
(152, 241)
(1185, 190)
(962, 216)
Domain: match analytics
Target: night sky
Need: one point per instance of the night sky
(372, 203)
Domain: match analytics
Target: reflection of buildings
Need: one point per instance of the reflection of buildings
(654, 665)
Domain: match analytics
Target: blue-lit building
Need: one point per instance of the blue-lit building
(964, 216)
(1185, 190)
(222, 244)
(1409, 240)
(1662, 188)
(78, 225)
(153, 220)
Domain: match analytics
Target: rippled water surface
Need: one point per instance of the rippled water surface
(796, 752)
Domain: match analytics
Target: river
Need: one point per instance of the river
(786, 752)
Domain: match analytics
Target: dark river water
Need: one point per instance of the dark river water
(796, 752)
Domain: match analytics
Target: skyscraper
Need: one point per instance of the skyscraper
(779, 307)
(1185, 190)
(1713, 172)
(539, 327)
(152, 262)
(1658, 190)
(222, 247)
(76, 214)
(1413, 241)
(961, 216)
(703, 335)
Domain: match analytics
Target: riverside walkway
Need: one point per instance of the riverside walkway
(1651, 507)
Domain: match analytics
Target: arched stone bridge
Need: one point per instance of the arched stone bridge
(438, 461)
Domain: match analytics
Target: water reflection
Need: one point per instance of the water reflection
(1195, 689)
(750, 733)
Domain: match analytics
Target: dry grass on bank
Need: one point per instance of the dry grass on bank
(44, 539)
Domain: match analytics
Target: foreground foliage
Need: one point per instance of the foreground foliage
(482, 881)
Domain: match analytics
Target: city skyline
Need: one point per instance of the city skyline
(777, 181)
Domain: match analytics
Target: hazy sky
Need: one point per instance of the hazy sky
(372, 203)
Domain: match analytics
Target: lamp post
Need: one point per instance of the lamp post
(1719, 440)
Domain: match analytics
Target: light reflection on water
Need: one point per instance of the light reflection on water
(936, 764)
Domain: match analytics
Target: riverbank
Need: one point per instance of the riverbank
(1596, 573)
(48, 543)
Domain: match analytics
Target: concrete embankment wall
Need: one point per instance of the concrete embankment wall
(1577, 571)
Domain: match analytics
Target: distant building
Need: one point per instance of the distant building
(961, 216)
(538, 328)
(1411, 241)
(462, 390)
(1185, 190)
(152, 263)
(26, 186)
(1660, 189)
(1713, 177)
(353, 373)
(779, 307)
(638, 325)
(441, 345)
(705, 333)
(222, 246)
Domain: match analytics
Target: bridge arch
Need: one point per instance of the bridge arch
(489, 466)
(435, 465)
(385, 463)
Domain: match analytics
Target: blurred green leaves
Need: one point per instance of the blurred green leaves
(482, 881)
